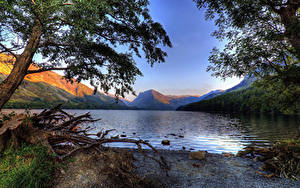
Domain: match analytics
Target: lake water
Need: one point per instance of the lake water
(215, 133)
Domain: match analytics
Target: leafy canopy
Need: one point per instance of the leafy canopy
(263, 38)
(88, 39)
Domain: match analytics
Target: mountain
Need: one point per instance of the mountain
(49, 77)
(211, 94)
(245, 83)
(46, 89)
(237, 97)
(153, 100)
(246, 98)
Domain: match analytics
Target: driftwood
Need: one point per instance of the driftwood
(63, 134)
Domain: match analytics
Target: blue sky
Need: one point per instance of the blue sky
(184, 71)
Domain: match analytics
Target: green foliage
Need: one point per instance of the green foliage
(262, 38)
(284, 96)
(90, 40)
(28, 167)
(251, 100)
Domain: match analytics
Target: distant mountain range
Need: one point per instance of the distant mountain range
(245, 83)
(153, 100)
(43, 90)
(49, 88)
(238, 95)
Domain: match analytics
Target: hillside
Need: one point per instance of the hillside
(47, 89)
(245, 83)
(219, 101)
(235, 101)
(249, 100)
(49, 77)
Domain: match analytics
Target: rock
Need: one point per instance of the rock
(183, 148)
(165, 142)
(115, 137)
(192, 149)
(243, 153)
(199, 155)
(123, 135)
(181, 136)
(173, 134)
(134, 133)
(62, 171)
(227, 154)
(255, 159)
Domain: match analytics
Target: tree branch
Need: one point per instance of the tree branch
(45, 69)
(8, 50)
(272, 65)
(49, 43)
(68, 3)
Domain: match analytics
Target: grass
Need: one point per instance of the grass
(28, 167)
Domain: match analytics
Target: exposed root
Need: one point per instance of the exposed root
(63, 134)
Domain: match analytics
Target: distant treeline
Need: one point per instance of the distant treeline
(12, 104)
(252, 100)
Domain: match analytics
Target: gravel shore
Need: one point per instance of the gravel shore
(215, 171)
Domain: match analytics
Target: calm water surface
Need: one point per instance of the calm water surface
(215, 133)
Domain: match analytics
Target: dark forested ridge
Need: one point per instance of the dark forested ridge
(252, 99)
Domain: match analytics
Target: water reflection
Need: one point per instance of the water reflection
(215, 133)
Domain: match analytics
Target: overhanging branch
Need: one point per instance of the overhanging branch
(45, 69)
(50, 43)
(9, 51)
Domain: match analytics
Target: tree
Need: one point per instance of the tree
(84, 38)
(263, 38)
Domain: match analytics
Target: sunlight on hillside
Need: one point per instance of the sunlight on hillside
(49, 77)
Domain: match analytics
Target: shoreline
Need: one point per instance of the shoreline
(215, 171)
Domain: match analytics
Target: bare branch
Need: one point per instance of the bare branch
(68, 3)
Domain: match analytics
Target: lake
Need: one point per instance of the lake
(215, 133)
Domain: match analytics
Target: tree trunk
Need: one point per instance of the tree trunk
(21, 65)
